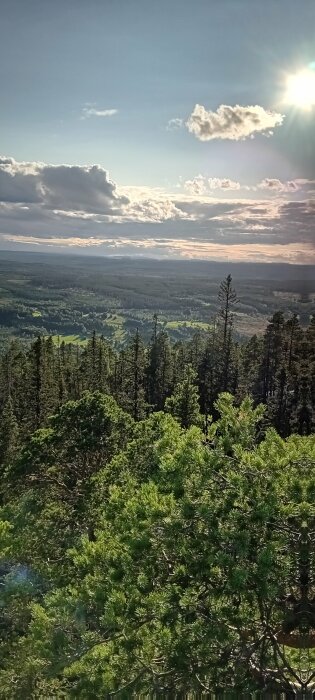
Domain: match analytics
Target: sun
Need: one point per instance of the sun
(300, 89)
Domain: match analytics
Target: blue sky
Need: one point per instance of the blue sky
(101, 83)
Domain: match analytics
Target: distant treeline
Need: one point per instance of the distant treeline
(276, 369)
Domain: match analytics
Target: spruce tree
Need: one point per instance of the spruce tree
(228, 299)
(159, 369)
(184, 402)
(209, 376)
(9, 434)
(133, 379)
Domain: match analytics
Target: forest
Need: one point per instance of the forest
(69, 297)
(157, 512)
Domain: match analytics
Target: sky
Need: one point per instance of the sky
(160, 128)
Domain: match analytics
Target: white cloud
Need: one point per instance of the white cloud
(154, 210)
(201, 185)
(275, 185)
(81, 193)
(198, 185)
(217, 183)
(174, 124)
(234, 123)
(90, 111)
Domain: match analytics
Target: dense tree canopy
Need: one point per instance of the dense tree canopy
(187, 567)
(156, 530)
(276, 369)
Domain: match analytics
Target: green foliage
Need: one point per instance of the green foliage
(149, 554)
(184, 403)
(182, 581)
(47, 490)
(276, 370)
(9, 435)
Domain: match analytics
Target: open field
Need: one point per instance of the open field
(70, 296)
(74, 339)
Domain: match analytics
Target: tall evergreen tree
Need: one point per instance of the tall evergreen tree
(228, 299)
(36, 364)
(9, 434)
(133, 384)
(159, 369)
(209, 375)
(184, 402)
(272, 356)
(250, 358)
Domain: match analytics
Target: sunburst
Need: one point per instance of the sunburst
(300, 89)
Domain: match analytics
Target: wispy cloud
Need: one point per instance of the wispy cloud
(274, 185)
(177, 248)
(55, 241)
(202, 185)
(233, 123)
(218, 183)
(175, 123)
(90, 111)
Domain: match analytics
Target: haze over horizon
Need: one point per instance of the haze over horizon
(165, 130)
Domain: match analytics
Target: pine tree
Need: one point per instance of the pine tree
(302, 413)
(35, 377)
(272, 356)
(9, 434)
(184, 403)
(91, 357)
(49, 392)
(228, 299)
(250, 358)
(13, 379)
(159, 369)
(133, 378)
(209, 372)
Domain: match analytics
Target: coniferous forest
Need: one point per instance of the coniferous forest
(157, 514)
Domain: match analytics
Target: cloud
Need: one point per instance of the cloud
(174, 124)
(83, 188)
(180, 248)
(201, 185)
(90, 111)
(216, 183)
(80, 207)
(69, 242)
(64, 187)
(18, 181)
(275, 185)
(305, 184)
(154, 210)
(234, 123)
(198, 185)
